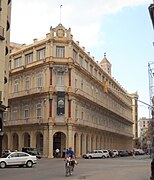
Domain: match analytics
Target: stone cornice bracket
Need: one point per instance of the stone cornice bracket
(60, 68)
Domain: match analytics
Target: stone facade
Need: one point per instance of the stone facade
(60, 97)
(5, 15)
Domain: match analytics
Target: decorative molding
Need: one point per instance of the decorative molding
(60, 68)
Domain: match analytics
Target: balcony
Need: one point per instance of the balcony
(104, 103)
(28, 121)
(114, 129)
(2, 33)
(37, 90)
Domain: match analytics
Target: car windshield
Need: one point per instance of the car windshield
(5, 155)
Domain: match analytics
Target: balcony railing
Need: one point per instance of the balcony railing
(103, 103)
(27, 121)
(2, 33)
(28, 92)
(117, 130)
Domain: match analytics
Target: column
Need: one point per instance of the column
(78, 152)
(32, 139)
(94, 142)
(84, 144)
(45, 142)
(51, 75)
(34, 54)
(9, 141)
(69, 108)
(89, 143)
(69, 72)
(20, 141)
(70, 135)
(50, 141)
(50, 107)
(99, 142)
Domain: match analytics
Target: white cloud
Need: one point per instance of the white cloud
(33, 18)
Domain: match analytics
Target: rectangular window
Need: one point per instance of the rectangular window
(27, 83)
(76, 83)
(81, 61)
(16, 85)
(28, 58)
(86, 65)
(91, 69)
(74, 55)
(96, 73)
(60, 79)
(41, 54)
(39, 80)
(17, 62)
(100, 76)
(26, 112)
(82, 115)
(103, 78)
(38, 110)
(82, 84)
(15, 113)
(60, 51)
(76, 112)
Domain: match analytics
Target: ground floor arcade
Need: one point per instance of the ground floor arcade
(49, 137)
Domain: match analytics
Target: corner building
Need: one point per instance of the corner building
(5, 18)
(60, 97)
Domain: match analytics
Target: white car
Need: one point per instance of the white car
(106, 153)
(97, 154)
(115, 153)
(17, 158)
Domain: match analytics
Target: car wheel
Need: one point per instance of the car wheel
(90, 157)
(2, 164)
(29, 164)
(103, 157)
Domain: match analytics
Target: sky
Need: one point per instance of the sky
(120, 28)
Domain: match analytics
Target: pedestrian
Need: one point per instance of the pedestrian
(133, 153)
(57, 153)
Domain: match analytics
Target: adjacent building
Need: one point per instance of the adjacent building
(5, 15)
(145, 131)
(59, 96)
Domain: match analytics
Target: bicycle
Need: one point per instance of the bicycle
(68, 167)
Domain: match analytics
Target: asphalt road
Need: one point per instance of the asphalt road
(128, 168)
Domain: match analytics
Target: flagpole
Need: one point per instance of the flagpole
(60, 13)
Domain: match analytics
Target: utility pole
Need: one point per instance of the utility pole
(151, 92)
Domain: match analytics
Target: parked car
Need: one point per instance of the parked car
(5, 152)
(96, 154)
(32, 151)
(106, 153)
(123, 153)
(139, 152)
(115, 153)
(17, 159)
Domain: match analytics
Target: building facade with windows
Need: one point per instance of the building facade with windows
(5, 16)
(59, 96)
(145, 132)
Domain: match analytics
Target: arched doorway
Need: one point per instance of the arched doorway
(5, 142)
(59, 141)
(15, 141)
(39, 142)
(26, 140)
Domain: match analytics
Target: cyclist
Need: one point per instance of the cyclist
(70, 153)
